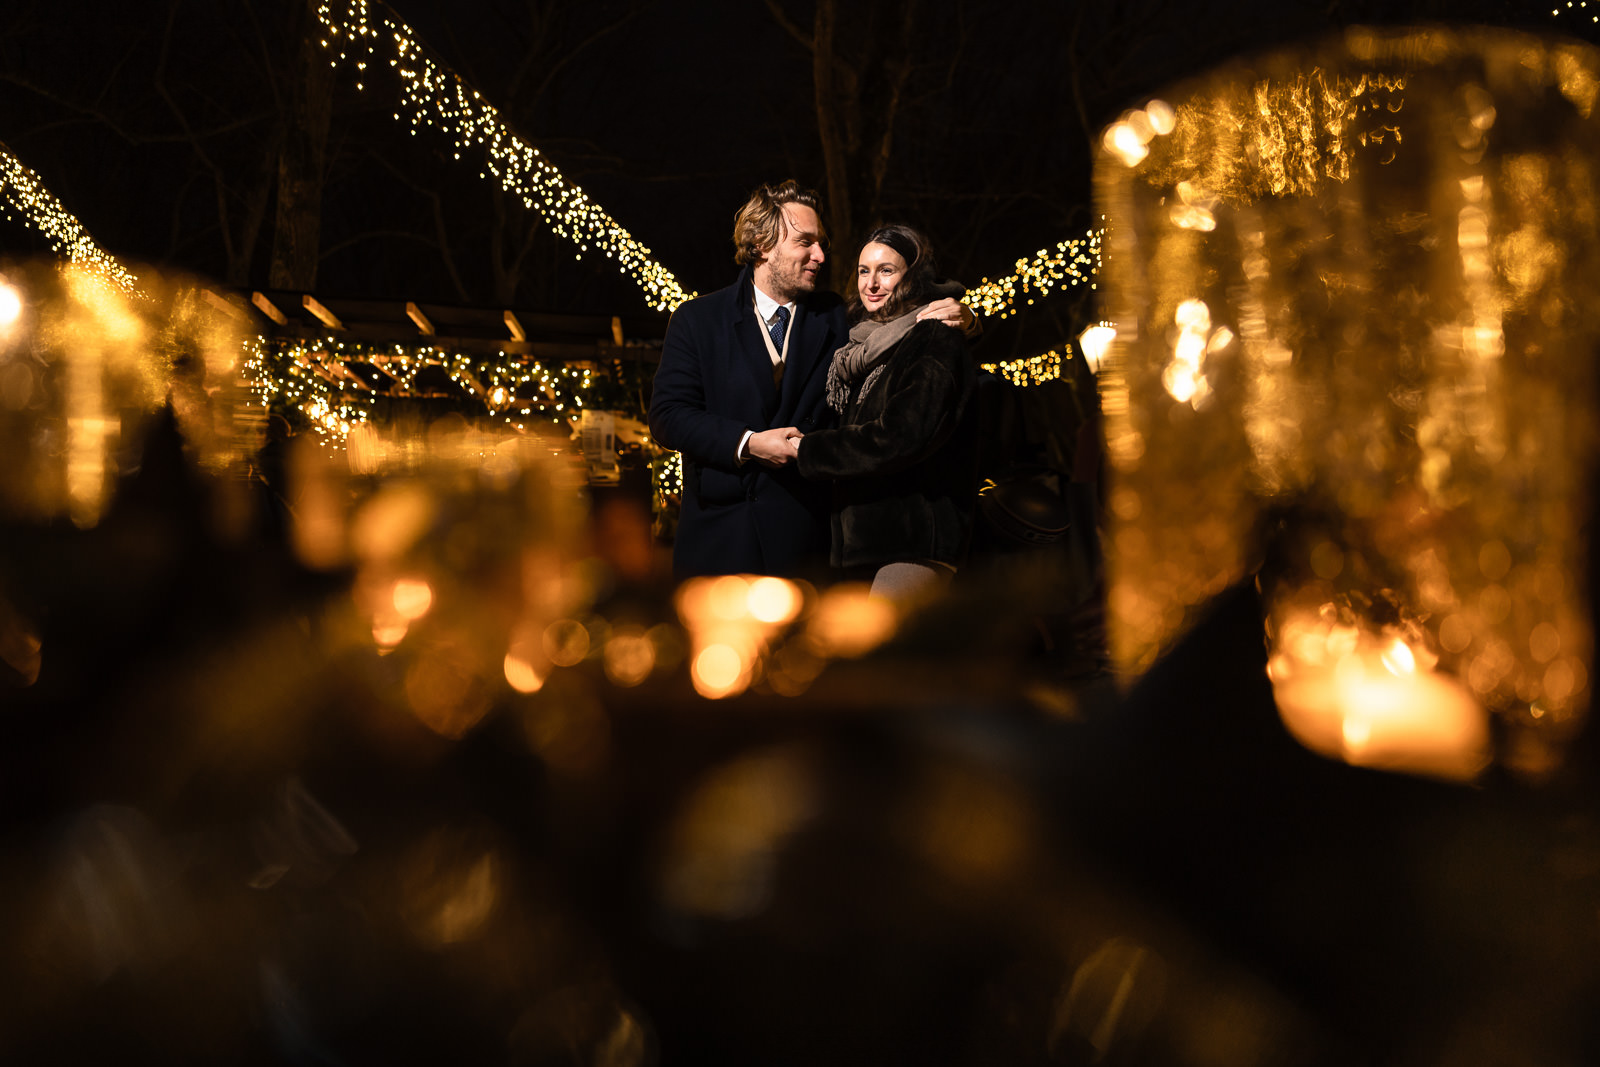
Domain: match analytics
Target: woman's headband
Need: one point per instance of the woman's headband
(895, 240)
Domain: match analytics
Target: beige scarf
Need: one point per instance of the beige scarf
(864, 356)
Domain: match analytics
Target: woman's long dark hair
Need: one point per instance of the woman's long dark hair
(916, 287)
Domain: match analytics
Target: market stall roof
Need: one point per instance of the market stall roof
(515, 331)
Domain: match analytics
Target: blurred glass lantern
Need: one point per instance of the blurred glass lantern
(464, 549)
(1353, 289)
(86, 363)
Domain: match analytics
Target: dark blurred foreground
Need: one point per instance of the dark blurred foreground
(226, 838)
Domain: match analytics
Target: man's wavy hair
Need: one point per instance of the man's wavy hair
(758, 226)
(916, 287)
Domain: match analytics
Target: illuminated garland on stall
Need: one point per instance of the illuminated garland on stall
(1074, 262)
(432, 95)
(313, 378)
(25, 194)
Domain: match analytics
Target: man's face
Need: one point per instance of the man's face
(789, 268)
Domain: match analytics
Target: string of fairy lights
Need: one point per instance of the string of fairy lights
(434, 98)
(336, 384)
(24, 194)
(1032, 370)
(1072, 262)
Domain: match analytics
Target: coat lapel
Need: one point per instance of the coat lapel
(811, 346)
(746, 346)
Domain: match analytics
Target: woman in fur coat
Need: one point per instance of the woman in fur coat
(903, 460)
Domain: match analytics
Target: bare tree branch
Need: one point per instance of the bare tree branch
(782, 19)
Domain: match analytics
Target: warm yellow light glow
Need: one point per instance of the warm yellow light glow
(729, 597)
(566, 642)
(1095, 343)
(773, 601)
(412, 598)
(1399, 659)
(630, 656)
(1162, 118)
(850, 622)
(10, 304)
(388, 633)
(1123, 141)
(719, 671)
(388, 524)
(1361, 699)
(520, 674)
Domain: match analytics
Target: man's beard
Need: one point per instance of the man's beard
(795, 280)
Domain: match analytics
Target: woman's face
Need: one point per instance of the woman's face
(878, 272)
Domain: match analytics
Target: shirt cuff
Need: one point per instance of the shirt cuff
(740, 455)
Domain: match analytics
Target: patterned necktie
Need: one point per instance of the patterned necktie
(776, 328)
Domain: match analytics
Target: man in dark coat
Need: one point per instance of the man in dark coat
(742, 369)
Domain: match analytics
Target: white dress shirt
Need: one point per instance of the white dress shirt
(767, 312)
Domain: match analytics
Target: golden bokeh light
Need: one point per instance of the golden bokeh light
(412, 597)
(728, 598)
(1122, 140)
(1364, 698)
(10, 305)
(630, 656)
(102, 361)
(720, 670)
(774, 600)
(388, 633)
(567, 642)
(1343, 357)
(521, 674)
(386, 525)
(849, 622)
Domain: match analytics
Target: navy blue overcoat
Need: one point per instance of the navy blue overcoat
(714, 383)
